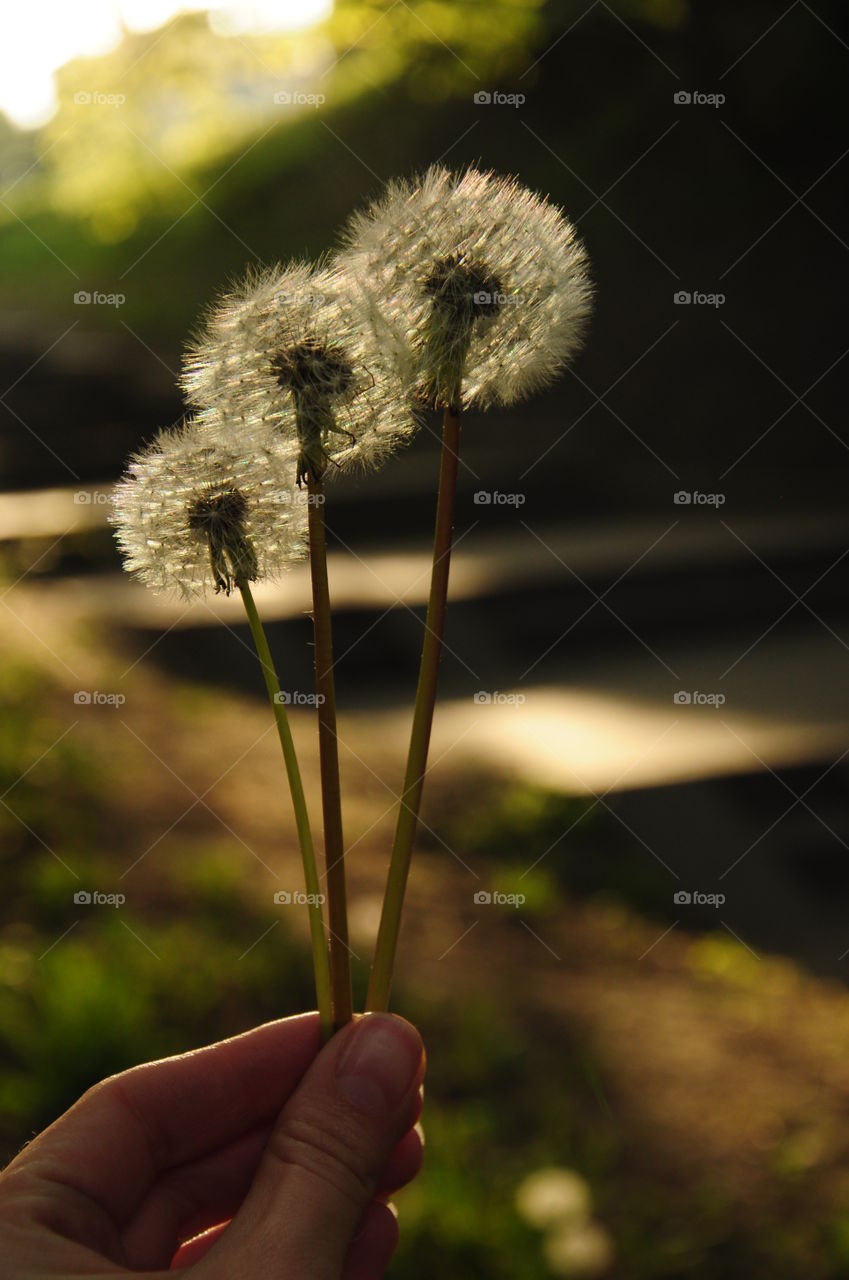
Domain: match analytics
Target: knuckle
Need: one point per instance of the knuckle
(325, 1145)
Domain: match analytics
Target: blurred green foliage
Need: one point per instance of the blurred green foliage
(198, 163)
(191, 96)
(51, 805)
(185, 97)
(571, 843)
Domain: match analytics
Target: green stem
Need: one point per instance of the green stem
(320, 960)
(328, 750)
(408, 814)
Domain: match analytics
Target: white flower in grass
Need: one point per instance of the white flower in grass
(485, 280)
(287, 355)
(194, 513)
(584, 1250)
(553, 1195)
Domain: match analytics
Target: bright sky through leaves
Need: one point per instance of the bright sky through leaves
(39, 36)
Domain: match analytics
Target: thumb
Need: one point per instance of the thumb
(324, 1158)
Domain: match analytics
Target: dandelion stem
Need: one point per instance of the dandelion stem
(328, 749)
(408, 814)
(321, 964)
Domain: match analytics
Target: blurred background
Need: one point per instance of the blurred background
(639, 1056)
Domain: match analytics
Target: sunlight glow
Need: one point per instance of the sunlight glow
(39, 36)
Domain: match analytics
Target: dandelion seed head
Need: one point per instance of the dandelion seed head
(486, 281)
(312, 367)
(196, 511)
(286, 359)
(462, 288)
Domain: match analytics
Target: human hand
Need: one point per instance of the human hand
(282, 1155)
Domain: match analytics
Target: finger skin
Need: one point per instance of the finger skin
(189, 1201)
(138, 1124)
(325, 1158)
(404, 1164)
(106, 1185)
(369, 1253)
(371, 1250)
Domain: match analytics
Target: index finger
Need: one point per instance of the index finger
(124, 1132)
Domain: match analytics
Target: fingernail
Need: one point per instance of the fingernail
(379, 1063)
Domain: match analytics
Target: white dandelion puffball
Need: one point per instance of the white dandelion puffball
(285, 355)
(485, 280)
(194, 514)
